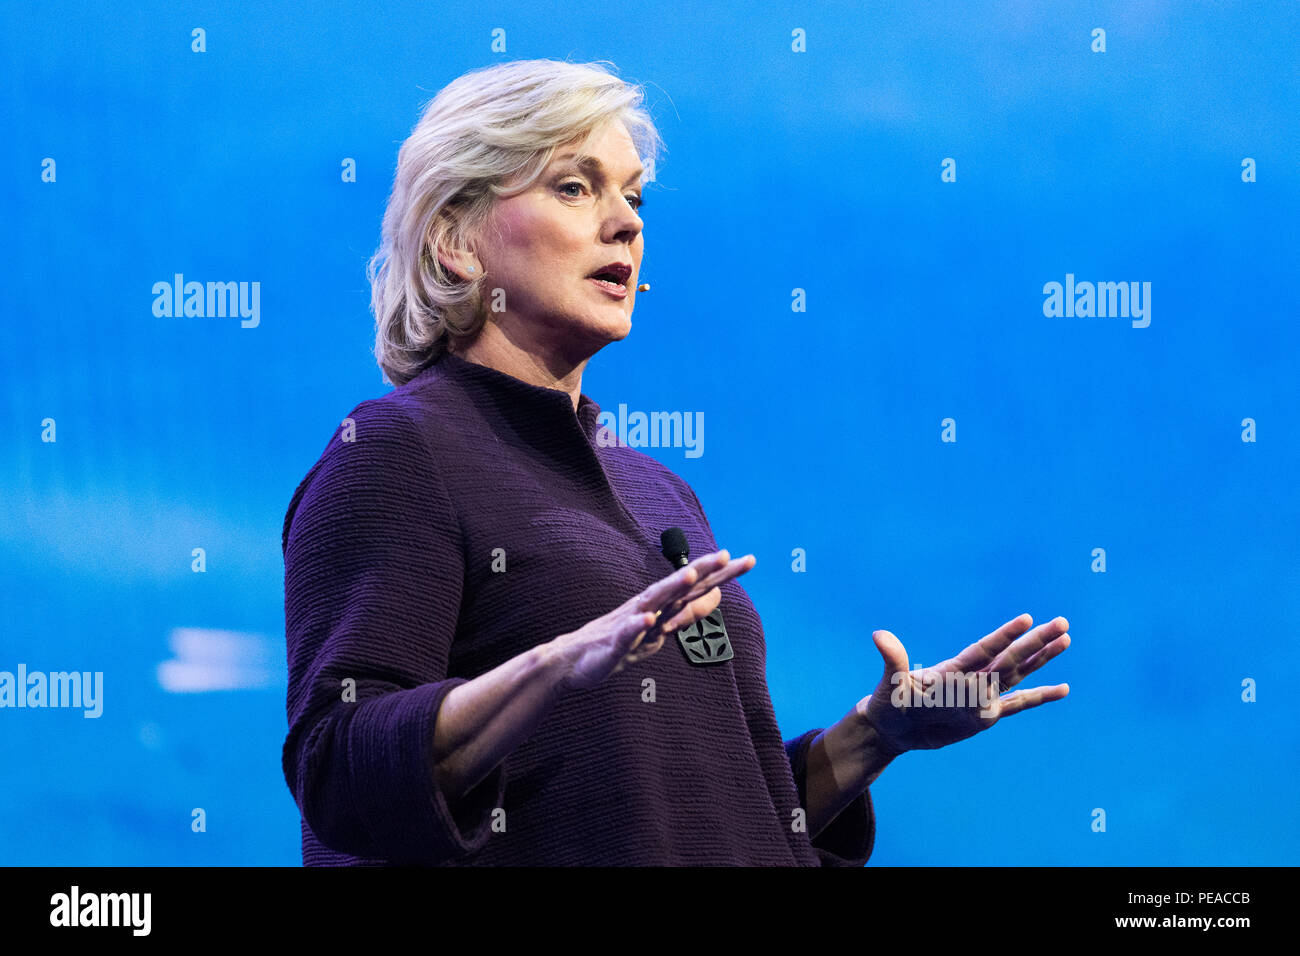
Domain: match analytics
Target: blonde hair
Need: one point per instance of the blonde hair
(488, 134)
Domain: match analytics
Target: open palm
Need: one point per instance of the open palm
(1006, 656)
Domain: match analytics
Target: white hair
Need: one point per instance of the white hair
(488, 134)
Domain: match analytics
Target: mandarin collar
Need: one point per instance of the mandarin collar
(518, 393)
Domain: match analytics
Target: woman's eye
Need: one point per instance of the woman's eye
(635, 201)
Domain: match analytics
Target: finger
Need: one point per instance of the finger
(633, 630)
(678, 583)
(665, 589)
(729, 572)
(701, 607)
(684, 613)
(1031, 697)
(708, 564)
(982, 652)
(732, 570)
(893, 652)
(647, 648)
(1038, 660)
(672, 611)
(1029, 645)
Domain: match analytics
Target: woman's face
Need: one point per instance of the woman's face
(542, 246)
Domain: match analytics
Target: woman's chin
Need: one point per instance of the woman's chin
(596, 332)
(614, 331)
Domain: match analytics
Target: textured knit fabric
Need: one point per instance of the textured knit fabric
(390, 543)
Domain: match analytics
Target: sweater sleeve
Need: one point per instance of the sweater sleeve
(849, 838)
(374, 570)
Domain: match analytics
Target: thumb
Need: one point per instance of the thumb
(892, 650)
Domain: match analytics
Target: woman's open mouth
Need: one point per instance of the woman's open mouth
(615, 289)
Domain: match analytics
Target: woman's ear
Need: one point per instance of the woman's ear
(456, 255)
(461, 263)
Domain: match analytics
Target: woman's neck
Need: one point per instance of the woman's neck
(495, 349)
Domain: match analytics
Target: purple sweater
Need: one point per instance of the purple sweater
(393, 546)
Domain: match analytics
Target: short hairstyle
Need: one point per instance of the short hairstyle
(488, 134)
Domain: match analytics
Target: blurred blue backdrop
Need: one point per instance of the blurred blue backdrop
(816, 170)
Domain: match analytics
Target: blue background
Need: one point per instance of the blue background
(817, 170)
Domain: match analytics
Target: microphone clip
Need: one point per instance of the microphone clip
(704, 641)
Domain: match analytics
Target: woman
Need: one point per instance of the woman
(482, 630)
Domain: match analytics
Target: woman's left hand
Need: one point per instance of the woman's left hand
(906, 718)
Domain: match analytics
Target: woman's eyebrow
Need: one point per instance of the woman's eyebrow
(592, 164)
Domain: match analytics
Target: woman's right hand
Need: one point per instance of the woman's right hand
(637, 628)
